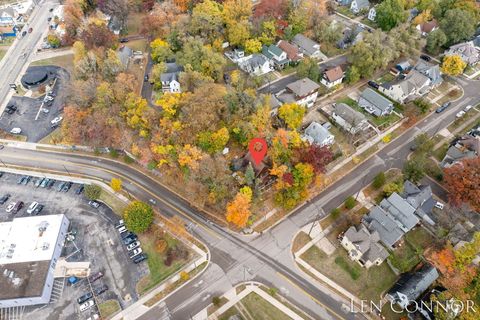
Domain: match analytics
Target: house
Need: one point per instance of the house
(124, 54)
(293, 53)
(255, 64)
(277, 57)
(372, 14)
(411, 285)
(364, 246)
(318, 134)
(420, 198)
(432, 71)
(358, 5)
(466, 51)
(476, 42)
(378, 220)
(374, 103)
(307, 46)
(413, 84)
(274, 104)
(7, 16)
(332, 77)
(401, 211)
(351, 36)
(242, 163)
(465, 147)
(169, 79)
(427, 27)
(344, 2)
(303, 92)
(349, 119)
(403, 66)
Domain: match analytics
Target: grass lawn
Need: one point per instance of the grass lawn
(433, 170)
(330, 50)
(53, 138)
(156, 260)
(4, 44)
(2, 53)
(134, 23)
(345, 10)
(138, 45)
(233, 311)
(364, 283)
(440, 153)
(409, 254)
(300, 240)
(259, 308)
(117, 205)
(108, 308)
(65, 62)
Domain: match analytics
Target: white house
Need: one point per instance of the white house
(427, 27)
(466, 50)
(364, 246)
(307, 46)
(318, 134)
(255, 64)
(349, 119)
(332, 77)
(169, 79)
(372, 14)
(358, 5)
(415, 84)
(303, 92)
(278, 57)
(7, 16)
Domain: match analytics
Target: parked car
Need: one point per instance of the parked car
(32, 207)
(38, 182)
(460, 114)
(443, 107)
(100, 290)
(122, 229)
(87, 305)
(133, 245)
(26, 180)
(30, 30)
(85, 297)
(94, 277)
(50, 183)
(24, 33)
(94, 204)
(60, 186)
(57, 120)
(10, 207)
(134, 253)
(425, 57)
(4, 198)
(123, 40)
(120, 223)
(79, 189)
(439, 205)
(17, 207)
(44, 183)
(38, 209)
(373, 84)
(141, 257)
(129, 240)
(467, 108)
(16, 131)
(67, 186)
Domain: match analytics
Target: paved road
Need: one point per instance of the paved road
(265, 258)
(19, 56)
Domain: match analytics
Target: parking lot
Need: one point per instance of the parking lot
(25, 117)
(96, 240)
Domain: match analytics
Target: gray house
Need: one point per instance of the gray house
(401, 211)
(349, 119)
(411, 285)
(358, 5)
(378, 220)
(421, 198)
(318, 134)
(432, 71)
(465, 147)
(364, 246)
(374, 103)
(307, 46)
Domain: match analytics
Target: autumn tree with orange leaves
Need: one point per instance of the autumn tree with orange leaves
(238, 211)
(463, 183)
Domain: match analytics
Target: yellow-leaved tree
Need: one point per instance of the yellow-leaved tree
(238, 210)
(453, 65)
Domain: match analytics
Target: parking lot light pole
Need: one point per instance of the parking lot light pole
(67, 170)
(3, 163)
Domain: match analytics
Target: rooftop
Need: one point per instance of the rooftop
(378, 220)
(334, 74)
(350, 115)
(303, 87)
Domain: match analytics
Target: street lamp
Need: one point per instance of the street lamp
(67, 170)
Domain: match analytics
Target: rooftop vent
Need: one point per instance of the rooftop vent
(45, 246)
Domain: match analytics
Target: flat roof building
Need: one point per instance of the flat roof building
(29, 250)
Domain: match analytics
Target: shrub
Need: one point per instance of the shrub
(151, 165)
(216, 301)
(184, 276)
(335, 213)
(161, 245)
(127, 159)
(379, 180)
(138, 216)
(113, 153)
(272, 291)
(92, 191)
(350, 202)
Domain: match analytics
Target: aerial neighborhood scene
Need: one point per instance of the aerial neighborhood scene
(240, 159)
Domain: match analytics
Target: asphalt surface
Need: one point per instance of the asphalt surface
(267, 256)
(20, 55)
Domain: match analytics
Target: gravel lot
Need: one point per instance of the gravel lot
(96, 241)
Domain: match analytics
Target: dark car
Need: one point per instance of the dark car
(141, 257)
(373, 84)
(85, 297)
(18, 206)
(50, 10)
(67, 187)
(24, 33)
(128, 240)
(145, 78)
(79, 189)
(49, 19)
(100, 290)
(4, 198)
(425, 57)
(94, 277)
(443, 107)
(50, 183)
(123, 40)
(26, 180)
(38, 209)
(11, 108)
(60, 186)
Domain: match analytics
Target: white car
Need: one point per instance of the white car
(10, 206)
(16, 131)
(133, 245)
(135, 253)
(467, 108)
(48, 98)
(56, 120)
(87, 305)
(439, 205)
(32, 207)
(94, 317)
(460, 114)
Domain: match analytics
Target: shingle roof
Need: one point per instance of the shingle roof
(353, 117)
(303, 87)
(388, 230)
(334, 74)
(271, 50)
(290, 49)
(377, 100)
(367, 243)
(316, 133)
(401, 211)
(429, 70)
(362, 4)
(427, 27)
(306, 44)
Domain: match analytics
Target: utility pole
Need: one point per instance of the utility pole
(67, 170)
(3, 163)
(317, 217)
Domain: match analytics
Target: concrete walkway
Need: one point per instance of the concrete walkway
(52, 54)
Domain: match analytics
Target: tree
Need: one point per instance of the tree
(423, 144)
(462, 183)
(390, 13)
(53, 41)
(73, 17)
(308, 68)
(379, 180)
(253, 46)
(116, 184)
(160, 50)
(352, 75)
(207, 19)
(292, 114)
(318, 157)
(238, 32)
(422, 104)
(458, 25)
(96, 35)
(453, 65)
(160, 20)
(138, 216)
(92, 191)
(350, 202)
(435, 40)
(238, 211)
(392, 187)
(213, 142)
(414, 169)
